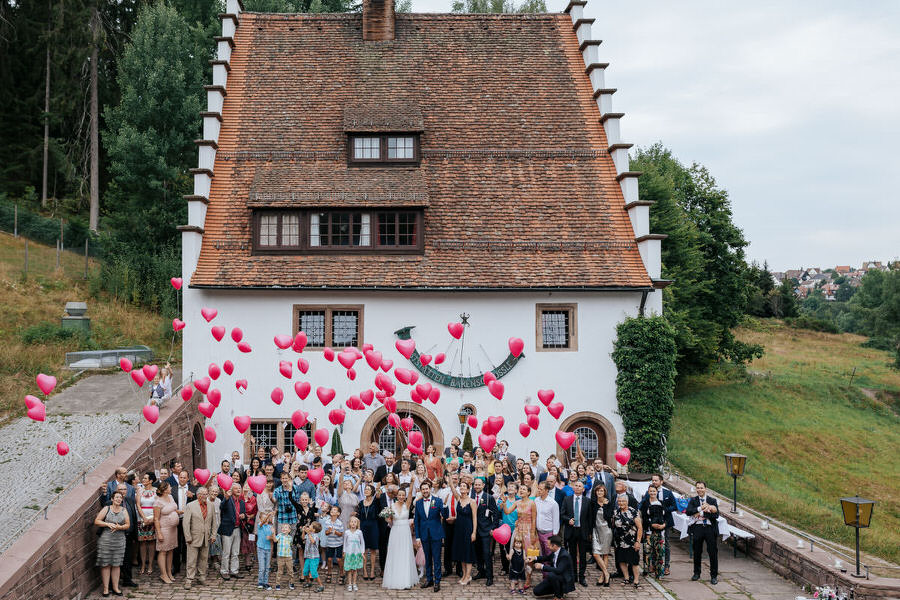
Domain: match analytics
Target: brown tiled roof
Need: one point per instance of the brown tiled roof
(520, 189)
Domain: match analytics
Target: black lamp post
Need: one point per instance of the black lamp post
(857, 513)
(734, 464)
(463, 415)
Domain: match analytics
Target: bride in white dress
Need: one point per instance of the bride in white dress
(400, 572)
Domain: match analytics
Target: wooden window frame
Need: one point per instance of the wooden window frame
(572, 308)
(329, 310)
(304, 246)
(382, 159)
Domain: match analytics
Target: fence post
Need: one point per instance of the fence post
(57, 254)
(16, 221)
(61, 237)
(85, 258)
(26, 257)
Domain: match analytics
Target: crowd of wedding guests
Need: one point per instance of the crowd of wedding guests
(408, 520)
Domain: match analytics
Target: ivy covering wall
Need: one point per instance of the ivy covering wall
(645, 354)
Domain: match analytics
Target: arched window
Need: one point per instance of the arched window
(387, 440)
(390, 441)
(588, 441)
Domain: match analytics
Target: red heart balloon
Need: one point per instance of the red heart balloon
(125, 364)
(414, 449)
(565, 439)
(496, 424)
(224, 481)
(321, 436)
(316, 475)
(214, 371)
(209, 313)
(424, 359)
(415, 397)
(373, 359)
(203, 384)
(472, 420)
(228, 367)
(187, 392)
(285, 367)
(546, 396)
(435, 395)
(62, 448)
(367, 396)
(325, 395)
(496, 389)
(405, 347)
(38, 412)
(300, 341)
(386, 365)
(206, 409)
(303, 365)
(403, 375)
(176, 282)
(337, 416)
(299, 419)
(31, 401)
(214, 396)
(530, 409)
(390, 404)
(487, 442)
(407, 423)
(455, 329)
(439, 358)
(277, 395)
(202, 476)
(218, 332)
(328, 354)
(623, 456)
(242, 423)
(244, 347)
(556, 409)
(415, 438)
(502, 534)
(149, 371)
(302, 389)
(257, 483)
(533, 421)
(177, 324)
(423, 390)
(300, 440)
(138, 376)
(488, 377)
(46, 383)
(516, 346)
(351, 374)
(394, 420)
(237, 335)
(283, 341)
(346, 359)
(524, 429)
(151, 413)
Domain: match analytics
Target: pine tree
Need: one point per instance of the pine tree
(467, 441)
(336, 446)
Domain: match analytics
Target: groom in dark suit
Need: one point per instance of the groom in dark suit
(704, 527)
(487, 519)
(429, 532)
(557, 569)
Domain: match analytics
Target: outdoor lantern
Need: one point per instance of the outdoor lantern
(857, 513)
(734, 464)
(463, 415)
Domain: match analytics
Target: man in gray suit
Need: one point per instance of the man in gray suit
(200, 523)
(606, 478)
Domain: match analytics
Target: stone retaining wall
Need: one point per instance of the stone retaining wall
(54, 560)
(777, 549)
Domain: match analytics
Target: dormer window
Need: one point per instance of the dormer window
(383, 149)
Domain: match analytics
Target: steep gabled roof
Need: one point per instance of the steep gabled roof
(516, 180)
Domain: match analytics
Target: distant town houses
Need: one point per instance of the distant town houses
(829, 280)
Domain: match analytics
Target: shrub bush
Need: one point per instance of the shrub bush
(812, 323)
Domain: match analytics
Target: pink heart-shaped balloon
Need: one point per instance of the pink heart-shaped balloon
(302, 389)
(415, 438)
(565, 439)
(367, 396)
(336, 416)
(533, 421)
(351, 374)
(325, 395)
(46, 383)
(150, 371)
(286, 368)
(300, 341)
(177, 324)
(300, 440)
(623, 456)
(176, 282)
(524, 429)
(403, 375)
(381, 396)
(328, 354)
(516, 346)
(38, 412)
(407, 423)
(283, 341)
(390, 404)
(225, 481)
(347, 359)
(206, 409)
(373, 359)
(125, 364)
(435, 395)
(299, 419)
(138, 377)
(439, 358)
(486, 427)
(214, 371)
(240, 384)
(405, 347)
(210, 434)
(277, 395)
(244, 347)
(394, 420)
(242, 423)
(321, 436)
(257, 483)
(502, 534)
(214, 397)
(62, 448)
(386, 365)
(423, 389)
(424, 359)
(555, 409)
(316, 475)
(203, 384)
(488, 377)
(496, 389)
(237, 335)
(187, 392)
(228, 367)
(31, 401)
(415, 397)
(414, 449)
(218, 332)
(546, 396)
(151, 413)
(303, 365)
(487, 442)
(531, 409)
(202, 476)
(472, 421)
(496, 424)
(209, 313)
(455, 329)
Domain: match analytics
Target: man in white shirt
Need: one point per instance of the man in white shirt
(182, 494)
(547, 516)
(704, 512)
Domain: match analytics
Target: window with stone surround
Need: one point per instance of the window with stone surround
(556, 327)
(335, 326)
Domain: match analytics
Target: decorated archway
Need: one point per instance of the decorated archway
(376, 428)
(595, 434)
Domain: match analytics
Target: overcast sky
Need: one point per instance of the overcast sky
(794, 107)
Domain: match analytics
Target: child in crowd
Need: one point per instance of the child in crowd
(516, 559)
(354, 548)
(265, 535)
(311, 535)
(334, 541)
(285, 556)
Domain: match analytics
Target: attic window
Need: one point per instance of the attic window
(381, 149)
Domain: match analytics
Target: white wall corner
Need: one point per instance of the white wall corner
(223, 50)
(576, 12)
(202, 182)
(220, 74)
(620, 159)
(228, 27)
(590, 54)
(629, 187)
(211, 127)
(190, 253)
(234, 7)
(650, 249)
(598, 78)
(583, 32)
(215, 99)
(197, 213)
(639, 214)
(612, 127)
(207, 157)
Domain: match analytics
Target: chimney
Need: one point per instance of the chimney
(378, 20)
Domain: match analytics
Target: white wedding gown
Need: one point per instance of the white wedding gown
(400, 572)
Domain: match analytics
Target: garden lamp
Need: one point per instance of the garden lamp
(734, 464)
(857, 513)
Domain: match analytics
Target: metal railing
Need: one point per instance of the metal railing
(108, 358)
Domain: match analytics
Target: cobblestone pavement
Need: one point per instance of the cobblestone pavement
(90, 416)
(740, 579)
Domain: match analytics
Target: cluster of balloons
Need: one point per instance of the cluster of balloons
(37, 410)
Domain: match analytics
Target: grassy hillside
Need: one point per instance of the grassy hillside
(30, 311)
(811, 436)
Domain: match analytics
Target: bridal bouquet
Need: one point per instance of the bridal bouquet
(386, 513)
